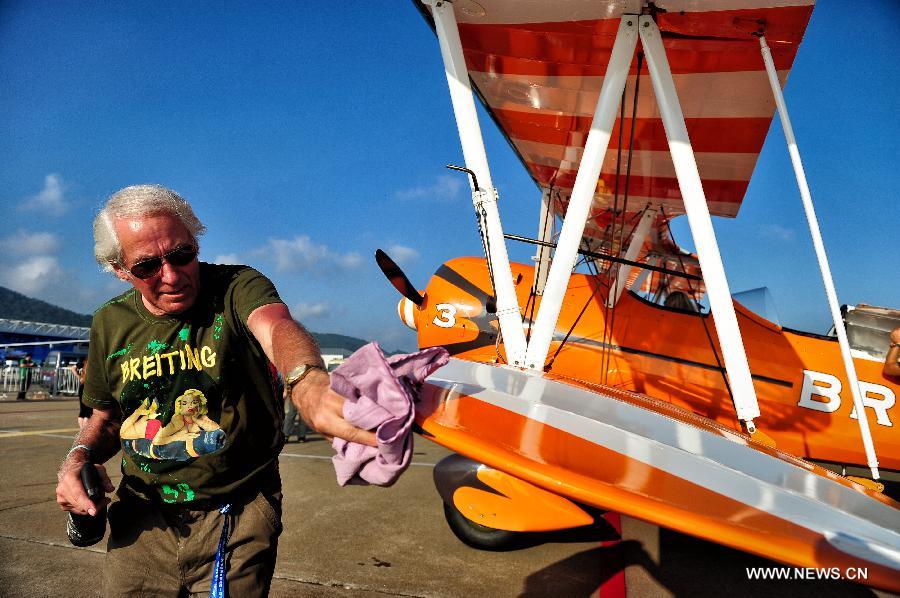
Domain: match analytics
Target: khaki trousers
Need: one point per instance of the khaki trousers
(162, 550)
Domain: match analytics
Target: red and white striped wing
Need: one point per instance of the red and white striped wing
(539, 66)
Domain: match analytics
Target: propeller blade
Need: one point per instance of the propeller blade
(397, 278)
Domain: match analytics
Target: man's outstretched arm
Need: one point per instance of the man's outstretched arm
(287, 345)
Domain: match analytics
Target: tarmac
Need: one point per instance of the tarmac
(365, 541)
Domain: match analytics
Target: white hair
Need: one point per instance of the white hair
(138, 201)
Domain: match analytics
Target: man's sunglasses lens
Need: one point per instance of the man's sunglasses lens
(182, 256)
(179, 257)
(147, 268)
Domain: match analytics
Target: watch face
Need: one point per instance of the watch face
(296, 373)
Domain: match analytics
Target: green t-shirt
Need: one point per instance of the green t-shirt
(201, 415)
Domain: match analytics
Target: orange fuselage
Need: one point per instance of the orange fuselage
(674, 356)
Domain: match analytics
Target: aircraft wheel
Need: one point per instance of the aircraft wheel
(478, 536)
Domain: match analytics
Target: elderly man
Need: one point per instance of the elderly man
(188, 328)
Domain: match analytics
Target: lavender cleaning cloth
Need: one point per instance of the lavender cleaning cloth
(380, 393)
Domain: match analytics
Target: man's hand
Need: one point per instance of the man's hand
(323, 409)
(101, 433)
(70, 494)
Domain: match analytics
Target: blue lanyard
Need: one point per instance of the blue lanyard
(218, 589)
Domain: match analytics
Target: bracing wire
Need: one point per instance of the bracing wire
(609, 321)
(709, 337)
(604, 359)
(592, 267)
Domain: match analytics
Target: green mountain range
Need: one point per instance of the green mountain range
(16, 306)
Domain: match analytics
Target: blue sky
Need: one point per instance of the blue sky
(306, 136)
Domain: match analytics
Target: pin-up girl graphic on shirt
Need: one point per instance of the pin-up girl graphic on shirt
(189, 433)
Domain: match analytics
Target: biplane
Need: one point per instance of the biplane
(617, 371)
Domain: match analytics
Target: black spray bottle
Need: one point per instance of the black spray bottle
(87, 530)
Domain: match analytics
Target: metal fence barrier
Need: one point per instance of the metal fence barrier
(65, 382)
(55, 381)
(9, 378)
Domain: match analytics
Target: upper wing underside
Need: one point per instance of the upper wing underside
(538, 66)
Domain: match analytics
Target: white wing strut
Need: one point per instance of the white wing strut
(694, 198)
(566, 253)
(816, 235)
(485, 198)
(545, 234)
(637, 241)
(583, 192)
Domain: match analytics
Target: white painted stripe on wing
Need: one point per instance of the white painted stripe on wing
(723, 464)
(672, 207)
(541, 11)
(712, 165)
(741, 94)
(716, 5)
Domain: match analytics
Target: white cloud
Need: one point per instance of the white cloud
(33, 268)
(228, 258)
(32, 276)
(402, 254)
(351, 260)
(302, 254)
(26, 243)
(50, 200)
(779, 233)
(444, 188)
(305, 311)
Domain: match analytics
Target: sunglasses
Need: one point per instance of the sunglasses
(180, 256)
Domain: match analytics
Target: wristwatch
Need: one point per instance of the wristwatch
(299, 373)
